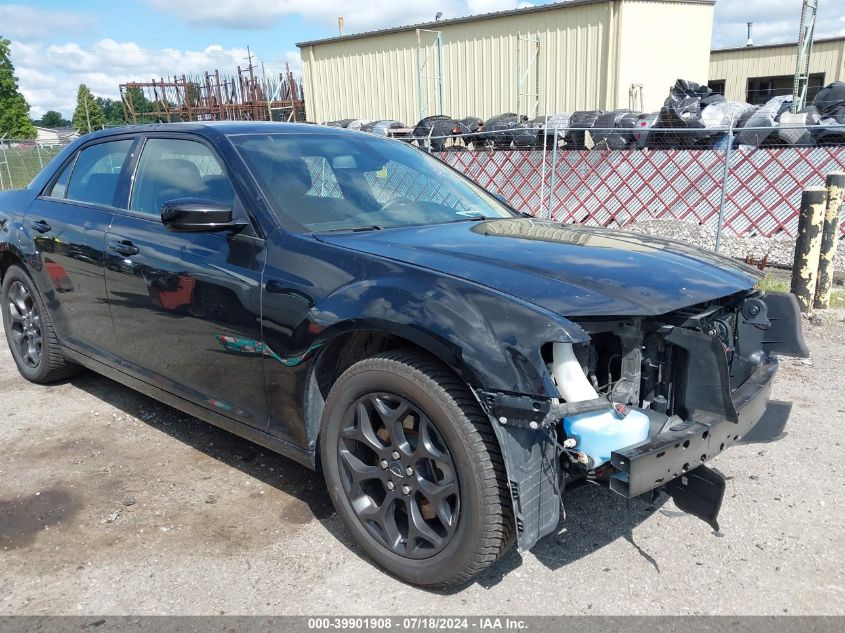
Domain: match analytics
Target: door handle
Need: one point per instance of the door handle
(40, 226)
(124, 247)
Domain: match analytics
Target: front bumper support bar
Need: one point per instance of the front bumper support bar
(665, 457)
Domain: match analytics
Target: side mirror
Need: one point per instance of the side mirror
(196, 215)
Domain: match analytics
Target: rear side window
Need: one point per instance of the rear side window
(176, 168)
(96, 172)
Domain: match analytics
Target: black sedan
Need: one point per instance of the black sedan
(349, 301)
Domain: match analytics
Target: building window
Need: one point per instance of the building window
(761, 89)
(717, 85)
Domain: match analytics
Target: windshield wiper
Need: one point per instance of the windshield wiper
(355, 229)
(473, 218)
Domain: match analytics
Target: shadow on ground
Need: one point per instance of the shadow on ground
(596, 517)
(263, 465)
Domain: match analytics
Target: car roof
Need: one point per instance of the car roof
(216, 128)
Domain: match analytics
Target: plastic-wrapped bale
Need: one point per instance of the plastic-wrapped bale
(830, 102)
(642, 125)
(579, 122)
(720, 116)
(615, 129)
(357, 124)
(796, 129)
(381, 127)
(469, 130)
(764, 120)
(500, 128)
(344, 123)
(530, 133)
(683, 106)
(434, 131)
(682, 111)
(829, 132)
(725, 114)
(556, 126)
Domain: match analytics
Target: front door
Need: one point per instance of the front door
(186, 306)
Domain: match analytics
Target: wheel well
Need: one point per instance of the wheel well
(338, 355)
(6, 260)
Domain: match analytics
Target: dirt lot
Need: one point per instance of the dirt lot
(111, 503)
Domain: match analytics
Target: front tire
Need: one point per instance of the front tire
(414, 470)
(29, 330)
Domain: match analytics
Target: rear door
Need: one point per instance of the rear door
(68, 224)
(186, 306)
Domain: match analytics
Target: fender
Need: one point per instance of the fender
(492, 342)
(14, 237)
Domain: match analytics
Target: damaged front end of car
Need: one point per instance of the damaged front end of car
(644, 404)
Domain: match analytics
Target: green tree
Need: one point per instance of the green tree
(14, 110)
(112, 111)
(52, 118)
(88, 116)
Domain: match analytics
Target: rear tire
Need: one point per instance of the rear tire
(439, 513)
(29, 330)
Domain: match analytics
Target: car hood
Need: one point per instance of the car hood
(568, 269)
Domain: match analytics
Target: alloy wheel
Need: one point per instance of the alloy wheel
(398, 475)
(25, 324)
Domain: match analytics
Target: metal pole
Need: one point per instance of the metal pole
(8, 170)
(553, 182)
(38, 151)
(543, 170)
(835, 184)
(440, 71)
(419, 75)
(724, 194)
(808, 246)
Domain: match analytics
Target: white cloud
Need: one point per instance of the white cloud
(363, 15)
(23, 23)
(50, 74)
(774, 21)
(50, 61)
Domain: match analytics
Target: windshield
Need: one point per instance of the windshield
(334, 182)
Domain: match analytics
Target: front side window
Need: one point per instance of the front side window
(96, 173)
(59, 188)
(178, 168)
(327, 182)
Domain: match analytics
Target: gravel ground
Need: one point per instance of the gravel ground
(780, 248)
(111, 503)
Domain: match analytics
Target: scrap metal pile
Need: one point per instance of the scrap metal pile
(692, 117)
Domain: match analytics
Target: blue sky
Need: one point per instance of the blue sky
(57, 45)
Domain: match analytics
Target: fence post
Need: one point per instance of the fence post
(539, 213)
(553, 179)
(724, 194)
(835, 185)
(40, 162)
(8, 169)
(808, 246)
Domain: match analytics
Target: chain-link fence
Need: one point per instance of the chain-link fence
(20, 161)
(735, 190)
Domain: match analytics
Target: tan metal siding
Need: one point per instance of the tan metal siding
(735, 66)
(661, 43)
(589, 55)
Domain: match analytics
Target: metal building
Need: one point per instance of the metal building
(758, 73)
(577, 55)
